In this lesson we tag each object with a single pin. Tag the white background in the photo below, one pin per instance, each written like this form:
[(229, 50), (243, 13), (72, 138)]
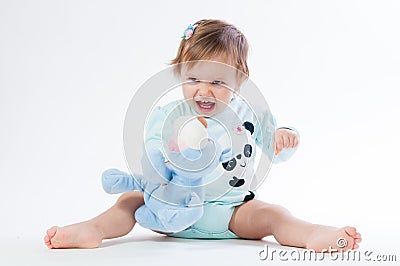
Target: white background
[(68, 70)]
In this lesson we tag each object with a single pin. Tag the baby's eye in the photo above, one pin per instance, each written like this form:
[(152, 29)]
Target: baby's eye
[(193, 79), (218, 82)]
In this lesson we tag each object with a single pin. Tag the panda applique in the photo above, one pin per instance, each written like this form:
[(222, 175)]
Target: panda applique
[(239, 170)]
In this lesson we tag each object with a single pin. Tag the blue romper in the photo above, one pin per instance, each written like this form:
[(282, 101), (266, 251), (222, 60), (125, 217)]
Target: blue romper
[(235, 181)]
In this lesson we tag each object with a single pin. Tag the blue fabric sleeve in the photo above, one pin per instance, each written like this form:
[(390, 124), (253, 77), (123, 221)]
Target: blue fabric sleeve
[(265, 133), (264, 139), (154, 126)]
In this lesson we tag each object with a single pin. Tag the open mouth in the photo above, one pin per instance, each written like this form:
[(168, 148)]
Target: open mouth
[(206, 106), (243, 165)]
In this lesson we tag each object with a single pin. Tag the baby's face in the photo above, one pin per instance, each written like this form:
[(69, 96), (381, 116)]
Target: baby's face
[(208, 86)]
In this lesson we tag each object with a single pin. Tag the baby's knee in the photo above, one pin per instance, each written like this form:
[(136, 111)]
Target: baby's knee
[(131, 198), (274, 211)]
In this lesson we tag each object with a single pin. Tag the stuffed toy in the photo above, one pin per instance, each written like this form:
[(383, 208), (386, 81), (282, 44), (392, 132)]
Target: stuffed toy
[(175, 201)]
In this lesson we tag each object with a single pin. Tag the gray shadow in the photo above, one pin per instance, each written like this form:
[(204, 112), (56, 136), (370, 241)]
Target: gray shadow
[(162, 239)]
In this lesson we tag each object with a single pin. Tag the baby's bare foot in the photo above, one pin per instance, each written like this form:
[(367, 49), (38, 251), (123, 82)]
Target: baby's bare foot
[(81, 235), (340, 239)]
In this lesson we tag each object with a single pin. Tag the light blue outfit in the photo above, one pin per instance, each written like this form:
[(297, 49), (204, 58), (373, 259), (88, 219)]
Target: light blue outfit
[(224, 188)]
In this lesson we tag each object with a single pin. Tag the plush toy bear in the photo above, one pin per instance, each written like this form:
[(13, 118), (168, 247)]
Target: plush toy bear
[(175, 201)]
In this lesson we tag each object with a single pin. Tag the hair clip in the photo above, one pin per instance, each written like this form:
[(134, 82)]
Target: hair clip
[(189, 31)]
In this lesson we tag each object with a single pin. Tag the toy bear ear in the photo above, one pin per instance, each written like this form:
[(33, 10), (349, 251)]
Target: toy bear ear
[(249, 126)]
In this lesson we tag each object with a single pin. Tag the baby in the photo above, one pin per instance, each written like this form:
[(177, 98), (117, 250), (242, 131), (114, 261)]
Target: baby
[(230, 208)]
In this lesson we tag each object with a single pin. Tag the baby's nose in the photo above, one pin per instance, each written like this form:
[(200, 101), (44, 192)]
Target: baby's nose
[(204, 89)]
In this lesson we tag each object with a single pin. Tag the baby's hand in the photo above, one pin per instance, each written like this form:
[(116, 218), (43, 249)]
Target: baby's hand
[(285, 138)]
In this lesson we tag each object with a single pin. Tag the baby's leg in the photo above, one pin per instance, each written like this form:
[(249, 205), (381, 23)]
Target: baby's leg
[(115, 222), (256, 219)]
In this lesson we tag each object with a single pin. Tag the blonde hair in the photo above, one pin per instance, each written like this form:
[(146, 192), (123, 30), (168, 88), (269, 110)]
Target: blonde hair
[(212, 38)]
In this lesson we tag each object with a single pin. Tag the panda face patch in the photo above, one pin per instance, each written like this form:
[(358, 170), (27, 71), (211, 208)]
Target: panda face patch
[(231, 164), (236, 165)]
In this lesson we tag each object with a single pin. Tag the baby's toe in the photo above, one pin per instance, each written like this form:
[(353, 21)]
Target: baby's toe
[(50, 233), (351, 231)]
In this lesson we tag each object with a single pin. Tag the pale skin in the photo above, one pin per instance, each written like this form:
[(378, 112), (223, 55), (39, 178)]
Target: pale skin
[(254, 219)]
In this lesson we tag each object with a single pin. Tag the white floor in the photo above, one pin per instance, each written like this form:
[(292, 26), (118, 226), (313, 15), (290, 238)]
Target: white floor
[(143, 247)]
